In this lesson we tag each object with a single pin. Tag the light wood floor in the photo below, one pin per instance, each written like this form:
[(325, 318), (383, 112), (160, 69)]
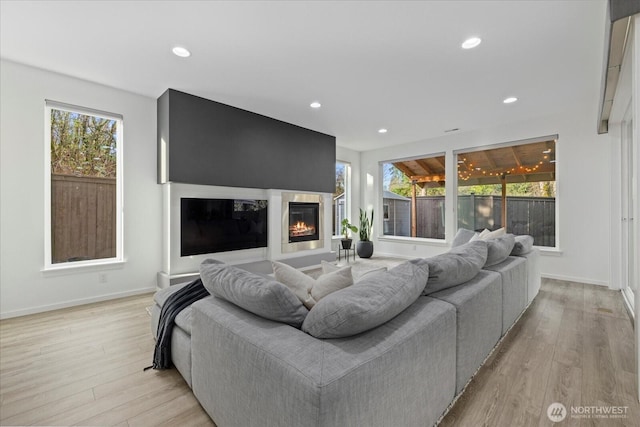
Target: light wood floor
[(573, 345), (83, 366)]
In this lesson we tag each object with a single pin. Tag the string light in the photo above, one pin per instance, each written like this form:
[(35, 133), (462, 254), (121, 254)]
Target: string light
[(467, 171)]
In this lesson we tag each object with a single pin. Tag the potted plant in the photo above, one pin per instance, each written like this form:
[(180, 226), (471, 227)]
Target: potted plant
[(365, 245), (346, 228)]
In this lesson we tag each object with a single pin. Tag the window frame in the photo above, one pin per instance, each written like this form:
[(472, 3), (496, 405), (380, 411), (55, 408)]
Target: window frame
[(380, 202), (347, 194), (119, 258), (547, 249)]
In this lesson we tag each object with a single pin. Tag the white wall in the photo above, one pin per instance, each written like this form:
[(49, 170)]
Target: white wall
[(24, 287), (583, 173)]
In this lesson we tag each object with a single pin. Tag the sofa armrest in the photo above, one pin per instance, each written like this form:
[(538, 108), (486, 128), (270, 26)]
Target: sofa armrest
[(533, 273)]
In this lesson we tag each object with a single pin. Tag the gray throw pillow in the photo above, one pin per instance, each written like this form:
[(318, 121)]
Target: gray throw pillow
[(498, 249), (455, 267), (259, 295), (374, 300), (462, 236), (523, 245)]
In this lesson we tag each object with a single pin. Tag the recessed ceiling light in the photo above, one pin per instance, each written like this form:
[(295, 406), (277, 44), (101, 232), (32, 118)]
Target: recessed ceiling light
[(383, 130), (315, 104), (471, 42), (547, 151), (182, 52), (510, 100)]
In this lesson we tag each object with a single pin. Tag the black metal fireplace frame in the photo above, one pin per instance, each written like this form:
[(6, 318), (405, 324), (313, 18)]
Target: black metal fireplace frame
[(316, 221)]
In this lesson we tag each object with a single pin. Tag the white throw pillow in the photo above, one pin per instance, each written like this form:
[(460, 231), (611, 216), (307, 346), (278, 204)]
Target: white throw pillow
[(486, 234), (310, 290)]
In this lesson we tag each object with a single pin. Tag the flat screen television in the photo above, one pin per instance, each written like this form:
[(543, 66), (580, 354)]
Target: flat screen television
[(222, 225)]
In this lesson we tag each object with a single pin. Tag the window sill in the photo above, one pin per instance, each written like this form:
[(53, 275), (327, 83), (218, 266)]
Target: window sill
[(547, 251), (82, 266)]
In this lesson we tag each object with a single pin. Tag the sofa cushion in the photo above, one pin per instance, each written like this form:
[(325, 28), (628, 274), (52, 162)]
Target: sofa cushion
[(462, 236), (309, 290), (259, 295), (513, 277), (455, 267), (162, 295), (498, 249), (328, 267), (533, 273), (523, 245), (371, 302), (183, 320), (478, 306)]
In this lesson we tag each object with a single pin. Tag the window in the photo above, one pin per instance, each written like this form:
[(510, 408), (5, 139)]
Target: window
[(511, 186), (341, 195), (413, 197), (83, 186)]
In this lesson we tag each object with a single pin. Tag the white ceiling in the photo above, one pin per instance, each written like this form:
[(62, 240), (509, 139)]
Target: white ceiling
[(391, 64)]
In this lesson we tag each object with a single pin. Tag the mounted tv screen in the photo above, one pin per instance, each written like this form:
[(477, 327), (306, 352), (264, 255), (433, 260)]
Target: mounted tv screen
[(222, 225)]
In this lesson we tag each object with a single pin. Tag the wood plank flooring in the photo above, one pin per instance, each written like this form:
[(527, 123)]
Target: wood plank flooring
[(573, 345), (83, 366)]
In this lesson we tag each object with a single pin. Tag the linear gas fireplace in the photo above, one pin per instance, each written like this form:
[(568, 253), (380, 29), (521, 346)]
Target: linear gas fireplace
[(302, 216)]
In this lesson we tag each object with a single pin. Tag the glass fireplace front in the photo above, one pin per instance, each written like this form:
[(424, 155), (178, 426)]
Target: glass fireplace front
[(304, 221)]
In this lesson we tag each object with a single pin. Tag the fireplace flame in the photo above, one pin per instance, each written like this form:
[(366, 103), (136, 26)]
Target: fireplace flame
[(300, 228)]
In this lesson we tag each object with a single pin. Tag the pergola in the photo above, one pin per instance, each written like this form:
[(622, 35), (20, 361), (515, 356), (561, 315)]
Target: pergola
[(533, 162)]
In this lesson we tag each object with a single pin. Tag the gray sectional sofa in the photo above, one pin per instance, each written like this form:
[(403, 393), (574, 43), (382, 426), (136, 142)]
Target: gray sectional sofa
[(247, 370)]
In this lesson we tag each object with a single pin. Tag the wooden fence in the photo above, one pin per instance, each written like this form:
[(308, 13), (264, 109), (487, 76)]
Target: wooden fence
[(535, 216), (83, 218), (430, 217), (525, 215)]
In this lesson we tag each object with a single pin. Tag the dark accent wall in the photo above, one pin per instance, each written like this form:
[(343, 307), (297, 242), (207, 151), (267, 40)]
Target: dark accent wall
[(619, 9), (205, 142)]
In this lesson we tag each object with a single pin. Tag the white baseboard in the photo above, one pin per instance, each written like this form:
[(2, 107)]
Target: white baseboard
[(627, 305), (73, 303), (575, 279)]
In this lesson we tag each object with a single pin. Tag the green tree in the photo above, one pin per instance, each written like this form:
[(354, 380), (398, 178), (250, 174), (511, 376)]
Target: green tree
[(83, 145), (396, 181), (524, 189), (480, 190), (340, 179), (435, 191)]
